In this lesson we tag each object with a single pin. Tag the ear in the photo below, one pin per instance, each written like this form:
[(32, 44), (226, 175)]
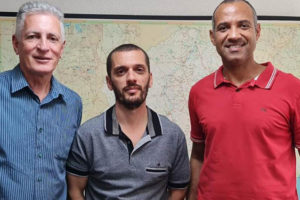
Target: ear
[(15, 44), (62, 49), (108, 83), (212, 37), (151, 80), (257, 29)]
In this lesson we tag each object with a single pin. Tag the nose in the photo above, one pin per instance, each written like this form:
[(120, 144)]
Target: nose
[(43, 44), (233, 33), (131, 76)]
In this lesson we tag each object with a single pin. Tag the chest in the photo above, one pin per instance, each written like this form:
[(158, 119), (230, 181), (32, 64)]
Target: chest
[(247, 115), (28, 127), (150, 162)]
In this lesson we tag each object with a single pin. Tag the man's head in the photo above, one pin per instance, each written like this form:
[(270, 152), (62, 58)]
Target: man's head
[(235, 30), (38, 7), (231, 1), (125, 47), (39, 38), (128, 75)]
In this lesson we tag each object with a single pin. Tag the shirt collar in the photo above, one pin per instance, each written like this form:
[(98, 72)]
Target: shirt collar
[(111, 124), (265, 79), (19, 82)]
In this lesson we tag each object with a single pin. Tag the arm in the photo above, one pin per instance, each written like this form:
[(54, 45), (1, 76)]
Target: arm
[(177, 194), (76, 186), (196, 161)]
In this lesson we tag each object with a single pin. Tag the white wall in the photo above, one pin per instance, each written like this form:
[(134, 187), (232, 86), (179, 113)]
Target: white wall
[(159, 7)]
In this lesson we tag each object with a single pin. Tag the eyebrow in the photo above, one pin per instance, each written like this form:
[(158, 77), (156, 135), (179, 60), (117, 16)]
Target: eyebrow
[(245, 20), (241, 21)]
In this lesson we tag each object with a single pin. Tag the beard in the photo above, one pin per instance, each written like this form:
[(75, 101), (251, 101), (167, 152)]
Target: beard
[(131, 103)]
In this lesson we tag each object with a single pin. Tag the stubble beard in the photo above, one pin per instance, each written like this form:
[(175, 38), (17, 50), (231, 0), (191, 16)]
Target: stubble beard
[(131, 103)]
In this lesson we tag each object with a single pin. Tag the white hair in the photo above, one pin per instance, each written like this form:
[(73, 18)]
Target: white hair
[(34, 7)]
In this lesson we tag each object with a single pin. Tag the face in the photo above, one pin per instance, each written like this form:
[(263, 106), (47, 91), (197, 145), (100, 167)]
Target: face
[(130, 78), (235, 33), (40, 46)]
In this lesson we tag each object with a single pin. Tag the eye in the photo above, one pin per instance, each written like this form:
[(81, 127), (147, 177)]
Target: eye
[(120, 71), (222, 28), (31, 37), (245, 25), (140, 69), (53, 38)]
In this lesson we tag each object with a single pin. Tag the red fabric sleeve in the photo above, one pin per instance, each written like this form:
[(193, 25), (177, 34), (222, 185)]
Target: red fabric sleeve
[(196, 130), (296, 124)]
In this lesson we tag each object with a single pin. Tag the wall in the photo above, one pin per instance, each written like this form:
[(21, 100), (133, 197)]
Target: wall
[(159, 7)]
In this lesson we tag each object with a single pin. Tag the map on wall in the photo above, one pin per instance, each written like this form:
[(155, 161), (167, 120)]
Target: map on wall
[(180, 54)]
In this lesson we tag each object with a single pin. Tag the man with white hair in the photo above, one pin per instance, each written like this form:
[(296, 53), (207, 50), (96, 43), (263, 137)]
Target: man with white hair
[(38, 115)]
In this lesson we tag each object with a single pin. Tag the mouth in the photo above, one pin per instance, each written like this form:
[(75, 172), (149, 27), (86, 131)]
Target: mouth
[(233, 47), (41, 58), (132, 89)]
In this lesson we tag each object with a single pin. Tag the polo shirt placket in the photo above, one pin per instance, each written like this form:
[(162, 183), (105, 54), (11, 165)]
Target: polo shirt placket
[(117, 131)]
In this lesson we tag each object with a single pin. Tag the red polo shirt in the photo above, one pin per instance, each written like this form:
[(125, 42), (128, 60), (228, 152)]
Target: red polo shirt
[(250, 133)]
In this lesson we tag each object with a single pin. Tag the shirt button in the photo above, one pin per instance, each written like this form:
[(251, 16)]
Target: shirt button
[(39, 179), (40, 155), (41, 130)]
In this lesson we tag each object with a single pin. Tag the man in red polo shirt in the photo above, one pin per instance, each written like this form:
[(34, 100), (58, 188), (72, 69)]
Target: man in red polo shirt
[(245, 118)]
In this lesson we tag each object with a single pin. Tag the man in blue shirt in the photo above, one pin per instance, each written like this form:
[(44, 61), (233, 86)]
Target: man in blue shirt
[(38, 115)]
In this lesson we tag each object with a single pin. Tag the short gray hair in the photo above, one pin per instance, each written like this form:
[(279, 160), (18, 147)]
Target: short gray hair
[(34, 7), (232, 1)]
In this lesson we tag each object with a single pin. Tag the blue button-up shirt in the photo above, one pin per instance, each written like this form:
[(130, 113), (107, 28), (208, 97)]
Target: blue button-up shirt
[(35, 138)]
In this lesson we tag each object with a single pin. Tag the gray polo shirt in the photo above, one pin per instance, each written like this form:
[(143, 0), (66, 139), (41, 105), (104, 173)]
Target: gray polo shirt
[(117, 170)]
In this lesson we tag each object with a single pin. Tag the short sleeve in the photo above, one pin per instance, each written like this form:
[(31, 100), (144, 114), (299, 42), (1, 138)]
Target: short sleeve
[(78, 160), (79, 113), (196, 130), (296, 123), (179, 176)]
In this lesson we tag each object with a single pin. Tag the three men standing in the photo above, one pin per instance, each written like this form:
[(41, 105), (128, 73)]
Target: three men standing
[(245, 122)]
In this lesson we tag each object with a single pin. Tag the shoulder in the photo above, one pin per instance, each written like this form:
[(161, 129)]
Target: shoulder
[(5, 82), (170, 129), (5, 76), (287, 78), (68, 94), (202, 89), (92, 126), (287, 82), (206, 82)]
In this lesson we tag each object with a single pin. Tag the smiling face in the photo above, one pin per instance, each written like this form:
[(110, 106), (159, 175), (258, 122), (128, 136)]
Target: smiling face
[(235, 33), (40, 46), (130, 78)]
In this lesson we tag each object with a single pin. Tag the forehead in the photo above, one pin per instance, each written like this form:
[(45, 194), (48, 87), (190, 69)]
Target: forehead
[(234, 11), (42, 22), (132, 57)]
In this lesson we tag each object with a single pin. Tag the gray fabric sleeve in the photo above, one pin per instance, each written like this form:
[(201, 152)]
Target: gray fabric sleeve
[(78, 160), (180, 174)]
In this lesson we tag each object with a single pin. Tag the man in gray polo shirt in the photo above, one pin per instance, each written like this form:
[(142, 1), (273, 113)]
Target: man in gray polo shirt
[(129, 151)]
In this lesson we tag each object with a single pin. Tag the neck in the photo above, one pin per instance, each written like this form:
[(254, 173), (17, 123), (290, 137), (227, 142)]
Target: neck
[(133, 122), (131, 117), (240, 73), (40, 85)]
